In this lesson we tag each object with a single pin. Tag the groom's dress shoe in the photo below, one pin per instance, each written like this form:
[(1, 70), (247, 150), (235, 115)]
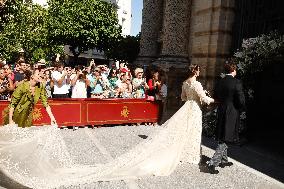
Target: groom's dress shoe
[(226, 164), (209, 169)]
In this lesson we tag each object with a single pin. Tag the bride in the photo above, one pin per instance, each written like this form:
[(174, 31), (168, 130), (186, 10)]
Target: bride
[(37, 157)]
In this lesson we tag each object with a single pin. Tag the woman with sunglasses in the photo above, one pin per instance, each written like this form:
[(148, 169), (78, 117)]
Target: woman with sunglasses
[(98, 84)]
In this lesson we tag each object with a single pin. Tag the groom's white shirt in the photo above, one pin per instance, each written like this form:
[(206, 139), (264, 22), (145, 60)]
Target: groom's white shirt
[(230, 74)]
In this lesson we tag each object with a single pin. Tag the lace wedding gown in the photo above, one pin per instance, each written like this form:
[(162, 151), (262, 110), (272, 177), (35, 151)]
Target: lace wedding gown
[(37, 157)]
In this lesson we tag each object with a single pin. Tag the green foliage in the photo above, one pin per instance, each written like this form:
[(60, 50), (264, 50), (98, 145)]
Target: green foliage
[(42, 32), (83, 24), (209, 118), (252, 59), (7, 9), (126, 50), (255, 54), (25, 26)]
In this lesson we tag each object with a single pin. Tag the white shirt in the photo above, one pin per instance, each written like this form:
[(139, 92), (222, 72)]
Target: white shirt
[(79, 90), (64, 89), (230, 75)]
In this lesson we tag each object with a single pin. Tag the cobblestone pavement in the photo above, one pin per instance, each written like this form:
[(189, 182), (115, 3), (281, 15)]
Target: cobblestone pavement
[(100, 145)]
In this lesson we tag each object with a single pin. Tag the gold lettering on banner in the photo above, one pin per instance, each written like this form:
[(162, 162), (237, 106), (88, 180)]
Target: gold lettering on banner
[(125, 112), (37, 115)]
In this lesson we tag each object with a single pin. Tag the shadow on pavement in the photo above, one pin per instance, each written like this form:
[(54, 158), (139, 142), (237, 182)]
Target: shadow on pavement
[(8, 183), (251, 155)]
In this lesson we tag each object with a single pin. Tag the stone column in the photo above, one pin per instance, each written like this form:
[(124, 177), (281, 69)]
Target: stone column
[(175, 32), (210, 37), (174, 53), (150, 30)]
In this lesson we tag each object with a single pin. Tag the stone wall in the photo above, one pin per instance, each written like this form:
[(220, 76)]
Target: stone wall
[(180, 32), (210, 36)]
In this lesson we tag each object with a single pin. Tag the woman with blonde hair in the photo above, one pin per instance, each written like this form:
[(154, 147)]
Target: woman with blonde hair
[(139, 84)]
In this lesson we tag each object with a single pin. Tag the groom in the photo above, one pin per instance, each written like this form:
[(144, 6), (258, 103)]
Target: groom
[(229, 93)]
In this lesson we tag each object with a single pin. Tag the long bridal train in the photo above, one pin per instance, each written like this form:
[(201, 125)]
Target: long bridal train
[(37, 157)]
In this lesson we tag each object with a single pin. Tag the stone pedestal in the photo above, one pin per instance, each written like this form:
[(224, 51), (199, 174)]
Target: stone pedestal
[(175, 73)]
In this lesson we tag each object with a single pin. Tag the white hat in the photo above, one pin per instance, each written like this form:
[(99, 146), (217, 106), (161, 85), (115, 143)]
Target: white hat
[(41, 62)]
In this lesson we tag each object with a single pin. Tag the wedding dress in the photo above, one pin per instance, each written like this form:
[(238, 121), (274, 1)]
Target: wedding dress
[(37, 157)]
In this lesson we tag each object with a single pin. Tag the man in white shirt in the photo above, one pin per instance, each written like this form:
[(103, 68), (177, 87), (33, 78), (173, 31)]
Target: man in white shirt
[(61, 79)]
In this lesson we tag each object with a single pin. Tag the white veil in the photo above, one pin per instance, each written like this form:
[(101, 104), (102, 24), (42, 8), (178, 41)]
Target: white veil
[(37, 157)]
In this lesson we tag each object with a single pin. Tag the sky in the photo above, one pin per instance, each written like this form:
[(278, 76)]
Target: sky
[(137, 6), (41, 2)]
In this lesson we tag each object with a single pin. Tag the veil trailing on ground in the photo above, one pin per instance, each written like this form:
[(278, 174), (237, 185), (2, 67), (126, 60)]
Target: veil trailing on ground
[(37, 157)]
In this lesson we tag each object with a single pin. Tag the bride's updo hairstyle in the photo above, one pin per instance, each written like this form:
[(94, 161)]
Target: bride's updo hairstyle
[(193, 69)]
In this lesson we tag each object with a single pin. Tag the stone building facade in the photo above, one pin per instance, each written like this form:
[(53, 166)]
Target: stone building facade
[(176, 33)]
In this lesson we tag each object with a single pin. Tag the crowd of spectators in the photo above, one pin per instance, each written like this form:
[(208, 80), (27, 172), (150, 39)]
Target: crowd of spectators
[(91, 81)]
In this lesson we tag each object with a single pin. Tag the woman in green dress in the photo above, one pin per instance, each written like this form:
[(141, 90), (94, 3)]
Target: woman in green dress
[(24, 98)]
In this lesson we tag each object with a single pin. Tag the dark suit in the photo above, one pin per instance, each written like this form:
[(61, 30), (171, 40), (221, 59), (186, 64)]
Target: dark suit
[(229, 93)]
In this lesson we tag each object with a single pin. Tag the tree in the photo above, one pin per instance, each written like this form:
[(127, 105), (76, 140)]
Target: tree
[(83, 25), (126, 50), (255, 55), (24, 26), (8, 9)]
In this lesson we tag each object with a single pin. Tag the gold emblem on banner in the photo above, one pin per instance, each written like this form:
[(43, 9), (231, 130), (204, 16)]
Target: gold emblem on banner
[(125, 112), (37, 115)]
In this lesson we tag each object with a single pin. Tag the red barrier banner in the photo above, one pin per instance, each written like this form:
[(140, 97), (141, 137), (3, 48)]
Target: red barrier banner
[(80, 112)]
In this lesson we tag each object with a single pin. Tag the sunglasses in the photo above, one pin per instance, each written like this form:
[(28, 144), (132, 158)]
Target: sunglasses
[(97, 70)]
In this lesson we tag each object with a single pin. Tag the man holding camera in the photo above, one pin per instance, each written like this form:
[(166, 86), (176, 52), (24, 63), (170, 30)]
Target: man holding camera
[(61, 79)]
